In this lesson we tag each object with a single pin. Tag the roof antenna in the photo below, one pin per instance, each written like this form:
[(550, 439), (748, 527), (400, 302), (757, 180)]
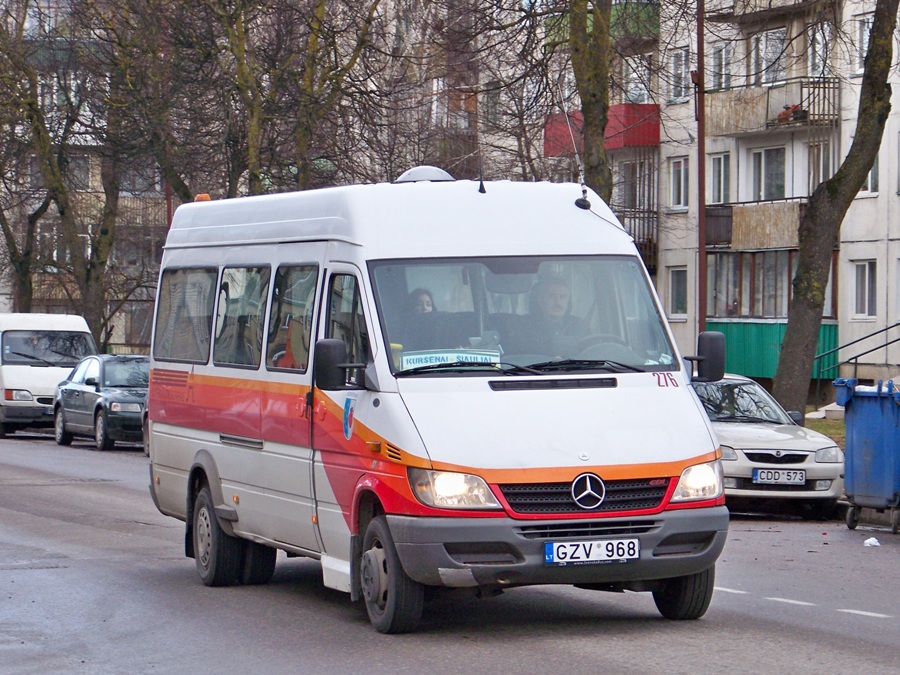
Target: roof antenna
[(582, 202), (480, 170)]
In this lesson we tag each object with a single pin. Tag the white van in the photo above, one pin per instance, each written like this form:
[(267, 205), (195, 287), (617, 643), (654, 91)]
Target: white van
[(38, 352), (537, 426)]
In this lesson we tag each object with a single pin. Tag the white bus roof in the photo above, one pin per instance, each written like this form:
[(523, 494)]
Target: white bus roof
[(25, 321), (402, 220)]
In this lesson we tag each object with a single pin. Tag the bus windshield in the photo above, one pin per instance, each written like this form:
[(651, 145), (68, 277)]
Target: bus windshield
[(56, 348), (547, 313)]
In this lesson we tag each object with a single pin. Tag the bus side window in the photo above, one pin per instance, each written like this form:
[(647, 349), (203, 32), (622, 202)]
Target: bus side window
[(184, 315), (239, 328), (290, 319), (346, 319)]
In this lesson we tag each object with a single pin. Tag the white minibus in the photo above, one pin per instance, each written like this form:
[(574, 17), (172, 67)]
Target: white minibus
[(38, 352), (430, 384)]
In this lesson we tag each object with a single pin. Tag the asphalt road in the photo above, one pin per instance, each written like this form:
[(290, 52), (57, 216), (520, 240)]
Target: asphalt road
[(93, 580)]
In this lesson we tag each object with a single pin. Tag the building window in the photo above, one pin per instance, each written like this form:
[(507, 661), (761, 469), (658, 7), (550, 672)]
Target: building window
[(635, 185), (819, 37), (139, 180), (438, 102), (720, 166), (768, 174), (863, 29), (871, 183), (678, 184), (756, 284), (720, 66), (636, 79), (491, 100), (78, 172), (819, 164), (768, 57), (678, 297), (681, 74), (864, 301), (461, 107)]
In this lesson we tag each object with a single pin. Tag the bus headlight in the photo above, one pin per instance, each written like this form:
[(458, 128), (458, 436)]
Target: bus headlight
[(701, 481), (450, 490)]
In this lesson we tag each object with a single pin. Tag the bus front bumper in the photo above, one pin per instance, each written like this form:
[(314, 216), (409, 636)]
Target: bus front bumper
[(502, 552)]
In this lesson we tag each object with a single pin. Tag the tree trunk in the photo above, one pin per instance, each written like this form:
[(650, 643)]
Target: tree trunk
[(821, 224), (591, 55)]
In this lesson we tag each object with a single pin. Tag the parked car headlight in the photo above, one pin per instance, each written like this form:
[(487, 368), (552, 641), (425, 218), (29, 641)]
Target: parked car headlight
[(701, 481), (450, 490), (830, 455), (728, 453), (115, 406), (17, 395)]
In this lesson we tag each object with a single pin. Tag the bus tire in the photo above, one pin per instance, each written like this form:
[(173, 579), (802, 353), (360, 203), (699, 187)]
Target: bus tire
[(686, 598), (394, 602), (219, 556), (259, 564)]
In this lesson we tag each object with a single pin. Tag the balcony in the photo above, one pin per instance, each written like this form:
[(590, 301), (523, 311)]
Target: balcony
[(746, 11), (643, 225), (630, 125), (799, 102), (634, 23), (754, 225)]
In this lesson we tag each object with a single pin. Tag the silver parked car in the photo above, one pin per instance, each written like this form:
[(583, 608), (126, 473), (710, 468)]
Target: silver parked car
[(766, 454)]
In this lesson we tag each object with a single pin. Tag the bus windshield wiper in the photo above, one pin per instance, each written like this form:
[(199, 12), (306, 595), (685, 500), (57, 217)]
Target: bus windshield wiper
[(507, 368), (586, 364), (34, 358)]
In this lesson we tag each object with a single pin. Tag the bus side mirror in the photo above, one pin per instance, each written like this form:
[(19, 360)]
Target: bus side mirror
[(331, 368), (710, 357)]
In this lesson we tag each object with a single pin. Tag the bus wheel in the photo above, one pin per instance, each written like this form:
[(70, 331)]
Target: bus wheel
[(219, 557), (145, 432), (686, 598), (393, 600)]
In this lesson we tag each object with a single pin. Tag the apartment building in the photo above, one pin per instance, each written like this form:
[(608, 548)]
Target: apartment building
[(781, 93)]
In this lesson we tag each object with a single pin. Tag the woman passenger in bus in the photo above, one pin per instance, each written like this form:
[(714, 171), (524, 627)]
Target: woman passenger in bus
[(421, 301)]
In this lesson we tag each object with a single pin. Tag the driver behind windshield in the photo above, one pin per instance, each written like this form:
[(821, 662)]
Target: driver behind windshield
[(550, 305)]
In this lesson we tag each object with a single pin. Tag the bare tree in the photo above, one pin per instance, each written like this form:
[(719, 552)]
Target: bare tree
[(821, 224)]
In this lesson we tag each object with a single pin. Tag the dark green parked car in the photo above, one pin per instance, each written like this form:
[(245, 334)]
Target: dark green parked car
[(104, 398)]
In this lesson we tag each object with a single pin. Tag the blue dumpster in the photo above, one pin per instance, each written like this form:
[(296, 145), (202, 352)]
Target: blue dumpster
[(872, 455)]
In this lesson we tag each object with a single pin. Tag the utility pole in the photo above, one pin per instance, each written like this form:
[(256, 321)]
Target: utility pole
[(699, 78)]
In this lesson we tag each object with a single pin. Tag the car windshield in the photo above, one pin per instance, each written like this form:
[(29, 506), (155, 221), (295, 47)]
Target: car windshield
[(46, 347), (738, 401), (127, 373), (520, 315)]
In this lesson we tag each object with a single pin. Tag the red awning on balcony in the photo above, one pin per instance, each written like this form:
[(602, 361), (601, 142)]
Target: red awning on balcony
[(630, 125)]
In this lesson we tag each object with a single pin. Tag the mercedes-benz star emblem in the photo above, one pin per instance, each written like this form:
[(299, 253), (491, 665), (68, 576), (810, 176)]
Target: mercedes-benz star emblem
[(588, 491)]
